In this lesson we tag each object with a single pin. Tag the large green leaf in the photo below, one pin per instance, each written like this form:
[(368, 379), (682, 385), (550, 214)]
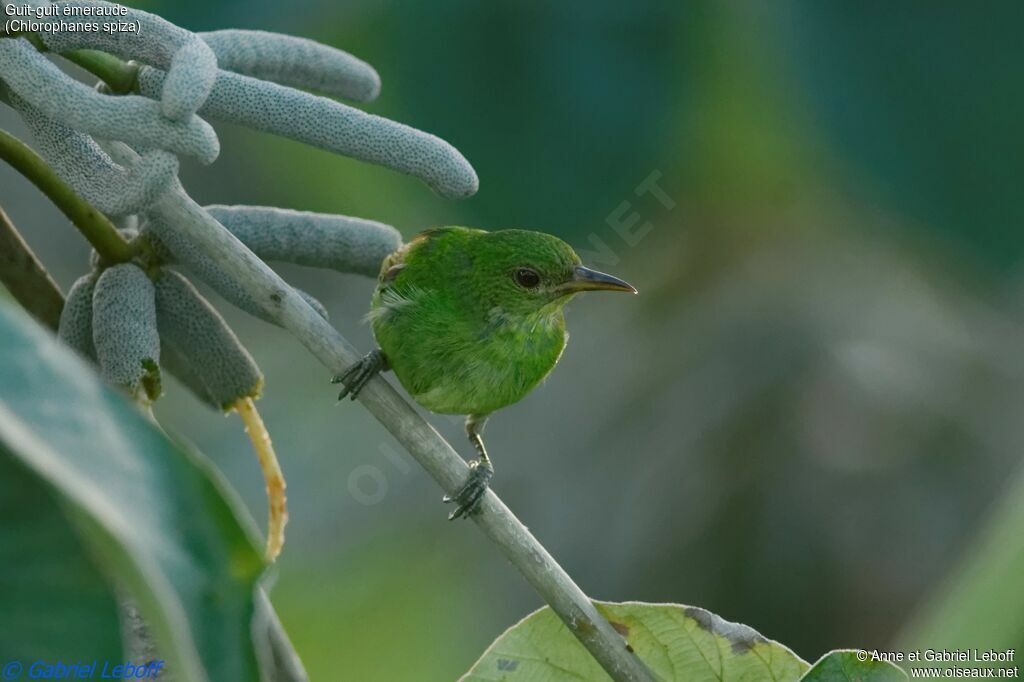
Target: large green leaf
[(676, 642), (62, 606), (848, 666), (153, 518)]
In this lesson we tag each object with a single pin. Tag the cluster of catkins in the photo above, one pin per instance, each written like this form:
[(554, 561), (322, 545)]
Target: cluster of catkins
[(120, 153)]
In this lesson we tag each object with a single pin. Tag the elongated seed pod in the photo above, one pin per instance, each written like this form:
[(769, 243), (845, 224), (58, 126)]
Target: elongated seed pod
[(330, 125), (176, 364), (189, 80), (240, 299), (188, 60), (161, 232), (296, 62), (190, 325), (75, 326), (114, 189), (132, 118), (155, 43), (208, 270), (315, 239), (124, 330)]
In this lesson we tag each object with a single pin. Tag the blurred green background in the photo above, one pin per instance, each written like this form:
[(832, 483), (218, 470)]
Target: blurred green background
[(803, 420)]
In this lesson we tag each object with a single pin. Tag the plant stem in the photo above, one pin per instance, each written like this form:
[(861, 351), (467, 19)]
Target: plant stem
[(276, 502), (120, 76), (26, 278), (95, 226), (432, 451)]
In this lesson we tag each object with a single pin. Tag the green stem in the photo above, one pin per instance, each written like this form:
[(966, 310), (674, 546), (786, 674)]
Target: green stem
[(93, 225), (120, 76)]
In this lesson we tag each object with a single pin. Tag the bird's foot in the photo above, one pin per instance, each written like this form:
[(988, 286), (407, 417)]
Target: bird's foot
[(467, 499), (356, 376)]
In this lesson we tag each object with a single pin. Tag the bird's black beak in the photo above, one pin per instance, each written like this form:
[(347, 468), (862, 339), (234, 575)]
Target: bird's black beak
[(585, 279)]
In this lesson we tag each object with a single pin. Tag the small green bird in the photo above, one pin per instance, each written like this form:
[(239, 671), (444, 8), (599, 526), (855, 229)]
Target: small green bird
[(471, 321)]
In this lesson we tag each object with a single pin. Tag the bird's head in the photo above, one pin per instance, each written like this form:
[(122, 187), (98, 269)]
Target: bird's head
[(524, 272)]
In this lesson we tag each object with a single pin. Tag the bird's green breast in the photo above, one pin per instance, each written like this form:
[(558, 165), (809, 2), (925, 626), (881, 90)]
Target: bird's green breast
[(457, 363)]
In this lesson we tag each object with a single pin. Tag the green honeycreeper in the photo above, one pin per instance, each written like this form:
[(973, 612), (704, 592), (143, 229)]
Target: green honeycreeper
[(471, 321)]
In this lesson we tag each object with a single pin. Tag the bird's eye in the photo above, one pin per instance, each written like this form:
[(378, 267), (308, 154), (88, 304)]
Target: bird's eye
[(527, 278)]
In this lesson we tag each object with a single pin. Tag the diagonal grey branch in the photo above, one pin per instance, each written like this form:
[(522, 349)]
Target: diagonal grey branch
[(226, 257), (26, 278), (217, 256)]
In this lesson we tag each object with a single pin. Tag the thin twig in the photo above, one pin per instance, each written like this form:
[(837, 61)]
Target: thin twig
[(432, 451), (277, 509), (95, 226), (26, 278)]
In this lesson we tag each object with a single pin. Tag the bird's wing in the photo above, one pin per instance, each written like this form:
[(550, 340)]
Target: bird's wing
[(434, 236), (392, 300)]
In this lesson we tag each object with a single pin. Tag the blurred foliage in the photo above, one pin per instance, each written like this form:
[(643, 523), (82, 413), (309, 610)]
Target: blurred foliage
[(925, 101), (344, 620), (801, 423), (973, 609), (121, 511), (62, 605)]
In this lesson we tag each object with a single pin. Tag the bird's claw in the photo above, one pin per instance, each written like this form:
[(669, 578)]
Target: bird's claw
[(356, 376), (467, 499)]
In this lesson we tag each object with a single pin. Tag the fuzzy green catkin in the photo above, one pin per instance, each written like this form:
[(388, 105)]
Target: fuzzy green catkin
[(167, 239), (296, 62), (207, 270), (124, 330), (155, 43), (132, 118), (75, 326), (314, 239), (162, 231), (240, 298), (330, 125), (206, 344), (177, 365), (189, 80), (79, 161), (189, 61)]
